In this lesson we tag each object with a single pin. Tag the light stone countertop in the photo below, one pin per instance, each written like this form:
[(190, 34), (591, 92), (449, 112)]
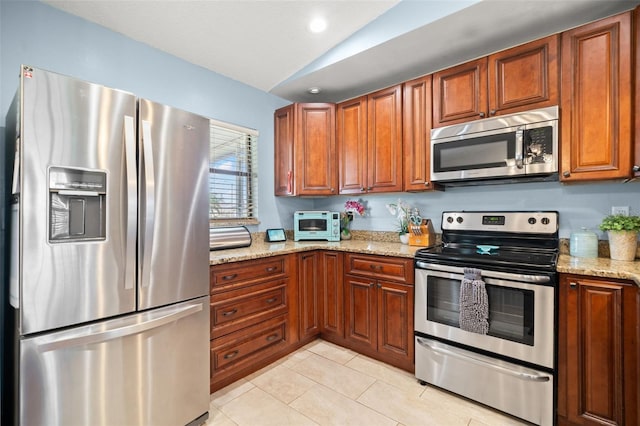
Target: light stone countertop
[(598, 267)]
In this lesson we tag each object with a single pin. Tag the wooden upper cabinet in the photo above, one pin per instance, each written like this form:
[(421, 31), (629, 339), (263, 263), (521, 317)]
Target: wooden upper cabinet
[(416, 134), (636, 147), (351, 137), (305, 152), (524, 77), (518, 79), (369, 139), (460, 93), (283, 150), (384, 140), (596, 101)]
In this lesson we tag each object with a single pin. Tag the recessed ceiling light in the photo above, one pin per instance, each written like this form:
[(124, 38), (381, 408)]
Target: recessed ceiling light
[(314, 90), (317, 25)]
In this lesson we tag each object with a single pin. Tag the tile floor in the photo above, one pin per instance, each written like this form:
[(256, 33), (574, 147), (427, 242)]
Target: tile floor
[(325, 384)]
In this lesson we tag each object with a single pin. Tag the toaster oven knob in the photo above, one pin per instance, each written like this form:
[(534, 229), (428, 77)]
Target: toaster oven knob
[(459, 219), (545, 220), (532, 221), (450, 219)]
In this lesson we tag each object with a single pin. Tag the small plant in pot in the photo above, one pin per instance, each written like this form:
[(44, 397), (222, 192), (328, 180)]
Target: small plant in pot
[(623, 235)]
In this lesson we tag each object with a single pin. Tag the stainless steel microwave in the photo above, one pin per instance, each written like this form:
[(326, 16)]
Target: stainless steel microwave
[(507, 148), (316, 225)]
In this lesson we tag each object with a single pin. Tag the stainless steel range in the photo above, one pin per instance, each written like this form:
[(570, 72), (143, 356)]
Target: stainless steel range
[(485, 310)]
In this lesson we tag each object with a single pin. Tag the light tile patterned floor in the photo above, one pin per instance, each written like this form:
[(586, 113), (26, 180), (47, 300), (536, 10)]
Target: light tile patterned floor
[(325, 384)]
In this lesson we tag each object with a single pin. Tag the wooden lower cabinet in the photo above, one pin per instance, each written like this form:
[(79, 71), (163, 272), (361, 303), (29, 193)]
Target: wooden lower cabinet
[(598, 363), (331, 296), (309, 282), (379, 310), (254, 316)]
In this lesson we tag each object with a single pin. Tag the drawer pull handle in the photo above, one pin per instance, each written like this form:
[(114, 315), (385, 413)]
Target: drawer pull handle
[(230, 355), (272, 337), (229, 277), (271, 300), (271, 269), (229, 313), (376, 267)]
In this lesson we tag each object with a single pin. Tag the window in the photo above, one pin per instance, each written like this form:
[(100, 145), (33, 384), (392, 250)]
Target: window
[(233, 174)]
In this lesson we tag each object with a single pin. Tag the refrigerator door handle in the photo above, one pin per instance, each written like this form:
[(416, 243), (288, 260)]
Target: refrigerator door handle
[(147, 145), (118, 333), (132, 202)]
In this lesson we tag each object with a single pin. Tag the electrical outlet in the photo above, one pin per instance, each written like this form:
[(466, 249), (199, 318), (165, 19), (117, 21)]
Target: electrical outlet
[(623, 210)]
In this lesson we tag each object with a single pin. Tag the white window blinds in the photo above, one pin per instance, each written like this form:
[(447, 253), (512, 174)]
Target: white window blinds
[(233, 174)]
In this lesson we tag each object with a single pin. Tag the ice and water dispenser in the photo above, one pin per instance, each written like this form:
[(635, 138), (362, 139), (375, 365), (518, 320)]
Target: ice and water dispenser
[(77, 204)]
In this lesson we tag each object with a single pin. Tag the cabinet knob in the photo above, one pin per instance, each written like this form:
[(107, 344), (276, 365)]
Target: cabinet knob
[(492, 112), (573, 285), (332, 190), (371, 285), (369, 188), (566, 174), (379, 285), (362, 190), (636, 168), (481, 115), (427, 183)]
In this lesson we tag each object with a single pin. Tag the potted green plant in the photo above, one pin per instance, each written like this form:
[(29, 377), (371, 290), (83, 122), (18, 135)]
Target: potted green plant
[(623, 235)]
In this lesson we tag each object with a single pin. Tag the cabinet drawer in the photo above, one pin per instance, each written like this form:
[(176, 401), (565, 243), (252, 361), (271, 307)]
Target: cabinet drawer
[(236, 309), (221, 277), (381, 267), (245, 347)]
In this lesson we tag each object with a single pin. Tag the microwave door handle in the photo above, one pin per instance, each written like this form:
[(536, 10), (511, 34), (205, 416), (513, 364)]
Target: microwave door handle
[(519, 148)]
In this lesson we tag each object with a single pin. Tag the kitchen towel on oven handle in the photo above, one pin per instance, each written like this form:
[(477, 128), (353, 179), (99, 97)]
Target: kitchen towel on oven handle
[(474, 302)]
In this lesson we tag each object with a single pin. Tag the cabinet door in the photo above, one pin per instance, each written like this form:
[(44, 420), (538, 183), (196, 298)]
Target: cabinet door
[(384, 140), (416, 134), (351, 137), (460, 93), (309, 288), (315, 149), (598, 354), (283, 151), (596, 100), (395, 322), (331, 299), (360, 305), (636, 147), (524, 77)]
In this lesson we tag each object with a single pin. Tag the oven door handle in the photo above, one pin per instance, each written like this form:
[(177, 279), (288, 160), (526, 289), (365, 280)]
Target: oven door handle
[(489, 274), (454, 353)]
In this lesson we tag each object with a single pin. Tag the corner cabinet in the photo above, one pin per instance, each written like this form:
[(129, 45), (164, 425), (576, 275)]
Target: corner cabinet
[(416, 134), (598, 338), (379, 297), (517, 79), (305, 150), (636, 143), (369, 139), (596, 101)]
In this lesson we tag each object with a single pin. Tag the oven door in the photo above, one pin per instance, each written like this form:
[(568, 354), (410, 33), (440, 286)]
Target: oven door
[(521, 312), (487, 154)]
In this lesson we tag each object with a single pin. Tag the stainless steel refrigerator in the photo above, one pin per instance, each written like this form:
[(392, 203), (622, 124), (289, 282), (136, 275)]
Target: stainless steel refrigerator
[(109, 265)]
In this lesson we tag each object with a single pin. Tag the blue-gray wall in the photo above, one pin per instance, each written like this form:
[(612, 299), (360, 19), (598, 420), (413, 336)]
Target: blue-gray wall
[(37, 34)]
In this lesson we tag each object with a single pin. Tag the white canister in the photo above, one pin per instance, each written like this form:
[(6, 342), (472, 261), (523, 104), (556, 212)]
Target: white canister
[(583, 243)]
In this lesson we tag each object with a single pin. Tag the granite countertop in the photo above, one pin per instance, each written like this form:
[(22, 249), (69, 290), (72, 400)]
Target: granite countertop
[(259, 249), (598, 267)]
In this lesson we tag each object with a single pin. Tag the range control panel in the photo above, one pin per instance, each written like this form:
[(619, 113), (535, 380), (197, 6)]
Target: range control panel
[(537, 222)]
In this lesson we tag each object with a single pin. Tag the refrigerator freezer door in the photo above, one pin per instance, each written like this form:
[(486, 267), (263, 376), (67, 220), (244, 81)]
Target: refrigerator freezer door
[(173, 252), (142, 369), (73, 168)]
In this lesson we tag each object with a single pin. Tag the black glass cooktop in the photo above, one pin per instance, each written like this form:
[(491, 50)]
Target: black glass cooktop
[(471, 256)]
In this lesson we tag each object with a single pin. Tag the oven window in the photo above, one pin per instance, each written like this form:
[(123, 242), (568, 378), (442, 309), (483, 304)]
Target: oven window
[(312, 224), (510, 309)]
